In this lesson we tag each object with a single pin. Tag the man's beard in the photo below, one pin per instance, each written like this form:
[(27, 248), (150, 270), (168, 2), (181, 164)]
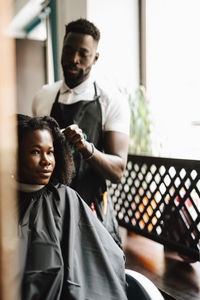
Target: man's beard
[(71, 79)]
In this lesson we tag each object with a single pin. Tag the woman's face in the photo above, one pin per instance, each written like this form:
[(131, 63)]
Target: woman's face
[(36, 157)]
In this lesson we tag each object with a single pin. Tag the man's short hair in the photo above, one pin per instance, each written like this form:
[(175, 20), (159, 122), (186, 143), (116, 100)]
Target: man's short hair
[(83, 26)]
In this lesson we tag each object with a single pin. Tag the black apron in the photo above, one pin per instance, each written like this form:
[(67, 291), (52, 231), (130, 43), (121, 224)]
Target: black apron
[(87, 182)]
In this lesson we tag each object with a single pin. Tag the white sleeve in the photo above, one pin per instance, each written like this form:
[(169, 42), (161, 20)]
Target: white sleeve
[(116, 114), (44, 99)]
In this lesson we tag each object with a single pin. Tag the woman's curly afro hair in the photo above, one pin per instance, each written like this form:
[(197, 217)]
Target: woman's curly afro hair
[(64, 161)]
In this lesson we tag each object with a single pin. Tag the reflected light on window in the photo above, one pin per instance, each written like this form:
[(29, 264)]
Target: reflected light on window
[(173, 76)]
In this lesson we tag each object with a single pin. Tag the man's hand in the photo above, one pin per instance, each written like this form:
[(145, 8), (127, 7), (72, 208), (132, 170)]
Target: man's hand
[(75, 136), (76, 139), (110, 163)]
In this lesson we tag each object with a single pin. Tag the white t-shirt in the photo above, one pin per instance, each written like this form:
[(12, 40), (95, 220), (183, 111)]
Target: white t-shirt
[(115, 108)]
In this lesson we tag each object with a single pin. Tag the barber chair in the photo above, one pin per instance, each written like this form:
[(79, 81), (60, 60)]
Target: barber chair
[(140, 287)]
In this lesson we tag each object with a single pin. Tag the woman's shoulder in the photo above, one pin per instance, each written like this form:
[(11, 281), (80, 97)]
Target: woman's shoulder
[(63, 191), (63, 187)]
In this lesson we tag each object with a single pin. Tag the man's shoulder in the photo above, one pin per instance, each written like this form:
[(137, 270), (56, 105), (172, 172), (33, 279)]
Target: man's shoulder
[(44, 98), (106, 95), (115, 109), (49, 89), (110, 96), (55, 86)]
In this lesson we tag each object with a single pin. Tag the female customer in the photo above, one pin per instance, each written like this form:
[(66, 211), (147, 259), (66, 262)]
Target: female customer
[(65, 252)]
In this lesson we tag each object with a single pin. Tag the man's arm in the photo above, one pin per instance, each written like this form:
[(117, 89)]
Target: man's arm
[(112, 162)]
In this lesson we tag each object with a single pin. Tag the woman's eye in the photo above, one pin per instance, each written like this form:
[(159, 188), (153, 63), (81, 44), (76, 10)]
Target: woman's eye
[(51, 152), (35, 152)]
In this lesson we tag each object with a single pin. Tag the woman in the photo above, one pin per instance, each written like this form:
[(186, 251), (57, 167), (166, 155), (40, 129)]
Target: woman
[(66, 253)]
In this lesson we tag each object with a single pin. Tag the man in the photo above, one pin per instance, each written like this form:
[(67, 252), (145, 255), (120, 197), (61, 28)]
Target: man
[(96, 125)]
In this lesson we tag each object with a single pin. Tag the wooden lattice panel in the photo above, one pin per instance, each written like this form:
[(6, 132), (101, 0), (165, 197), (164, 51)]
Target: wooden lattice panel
[(160, 198)]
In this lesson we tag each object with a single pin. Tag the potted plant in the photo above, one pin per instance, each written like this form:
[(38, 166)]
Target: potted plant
[(140, 125)]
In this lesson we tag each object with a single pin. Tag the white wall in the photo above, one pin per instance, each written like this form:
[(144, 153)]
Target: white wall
[(117, 20), (67, 11), (119, 57)]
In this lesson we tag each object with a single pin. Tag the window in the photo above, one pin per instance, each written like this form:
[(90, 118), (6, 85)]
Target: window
[(173, 76)]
